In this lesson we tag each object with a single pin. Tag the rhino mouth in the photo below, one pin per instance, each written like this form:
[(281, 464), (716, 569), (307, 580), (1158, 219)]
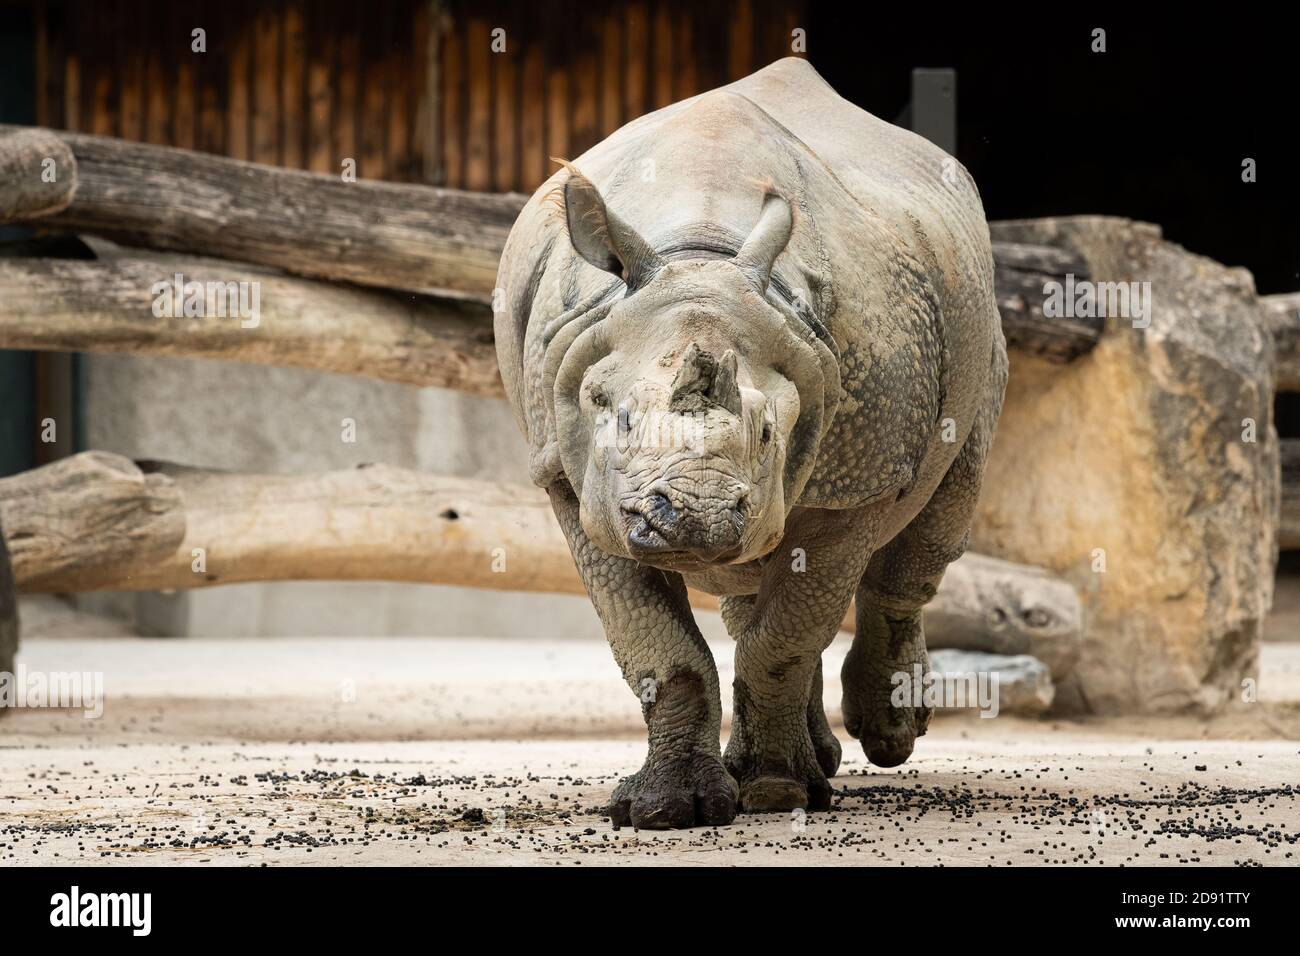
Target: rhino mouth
[(657, 533), (650, 525)]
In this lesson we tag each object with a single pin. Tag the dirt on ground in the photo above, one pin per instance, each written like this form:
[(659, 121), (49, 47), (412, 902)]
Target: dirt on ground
[(439, 751)]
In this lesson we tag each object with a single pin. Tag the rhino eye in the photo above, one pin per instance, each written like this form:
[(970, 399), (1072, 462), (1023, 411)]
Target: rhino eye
[(623, 423), (766, 435)]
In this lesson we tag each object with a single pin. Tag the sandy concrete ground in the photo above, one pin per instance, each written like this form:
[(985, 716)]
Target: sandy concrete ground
[(434, 751)]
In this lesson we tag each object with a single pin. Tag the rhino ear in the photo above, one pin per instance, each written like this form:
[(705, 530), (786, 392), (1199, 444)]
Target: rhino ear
[(769, 236), (603, 239)]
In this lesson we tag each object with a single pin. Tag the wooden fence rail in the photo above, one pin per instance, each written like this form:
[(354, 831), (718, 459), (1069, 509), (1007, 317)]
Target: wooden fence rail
[(98, 521), (109, 306), (410, 237), (403, 237)]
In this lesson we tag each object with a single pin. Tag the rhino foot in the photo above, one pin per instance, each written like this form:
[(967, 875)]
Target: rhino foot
[(794, 781), (669, 794), (888, 734), (777, 793)]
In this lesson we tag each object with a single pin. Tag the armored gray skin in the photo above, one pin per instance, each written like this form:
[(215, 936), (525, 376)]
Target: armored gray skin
[(752, 341)]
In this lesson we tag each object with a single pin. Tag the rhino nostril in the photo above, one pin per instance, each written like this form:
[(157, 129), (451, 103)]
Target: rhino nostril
[(659, 512)]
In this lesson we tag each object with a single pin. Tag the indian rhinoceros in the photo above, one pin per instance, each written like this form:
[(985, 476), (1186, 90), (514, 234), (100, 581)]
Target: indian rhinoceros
[(752, 341)]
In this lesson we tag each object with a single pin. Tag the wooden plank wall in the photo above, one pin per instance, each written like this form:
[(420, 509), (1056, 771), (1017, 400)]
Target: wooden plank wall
[(298, 83), (572, 72), (306, 83)]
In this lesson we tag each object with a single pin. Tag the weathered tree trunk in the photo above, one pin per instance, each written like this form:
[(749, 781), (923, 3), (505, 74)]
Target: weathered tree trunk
[(1021, 273), (98, 521), (109, 306), (1288, 532), (1005, 608), (38, 176), (1282, 313), (416, 238), (90, 518)]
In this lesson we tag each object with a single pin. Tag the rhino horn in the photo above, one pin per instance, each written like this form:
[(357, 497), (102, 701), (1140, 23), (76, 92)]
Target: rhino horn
[(724, 390), (765, 242), (602, 238), (701, 375), (693, 375)]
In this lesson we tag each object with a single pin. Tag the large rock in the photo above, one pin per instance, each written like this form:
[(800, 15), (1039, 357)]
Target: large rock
[(1153, 457)]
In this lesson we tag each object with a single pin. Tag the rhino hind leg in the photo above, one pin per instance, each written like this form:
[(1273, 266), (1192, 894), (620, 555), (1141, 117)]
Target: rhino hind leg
[(886, 643), (900, 580), (668, 665)]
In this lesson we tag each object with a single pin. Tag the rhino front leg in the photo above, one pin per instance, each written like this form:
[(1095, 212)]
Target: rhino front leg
[(666, 662), (737, 612), (825, 745), (772, 750)]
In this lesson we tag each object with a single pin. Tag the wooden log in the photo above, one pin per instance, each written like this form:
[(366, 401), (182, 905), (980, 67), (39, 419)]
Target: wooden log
[(109, 306), (98, 521), (38, 176), (1288, 534), (999, 607), (105, 306), (1020, 274), (1282, 315), (411, 237), (64, 518)]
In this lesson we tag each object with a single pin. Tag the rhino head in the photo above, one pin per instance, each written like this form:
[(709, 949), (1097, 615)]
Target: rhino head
[(687, 417)]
